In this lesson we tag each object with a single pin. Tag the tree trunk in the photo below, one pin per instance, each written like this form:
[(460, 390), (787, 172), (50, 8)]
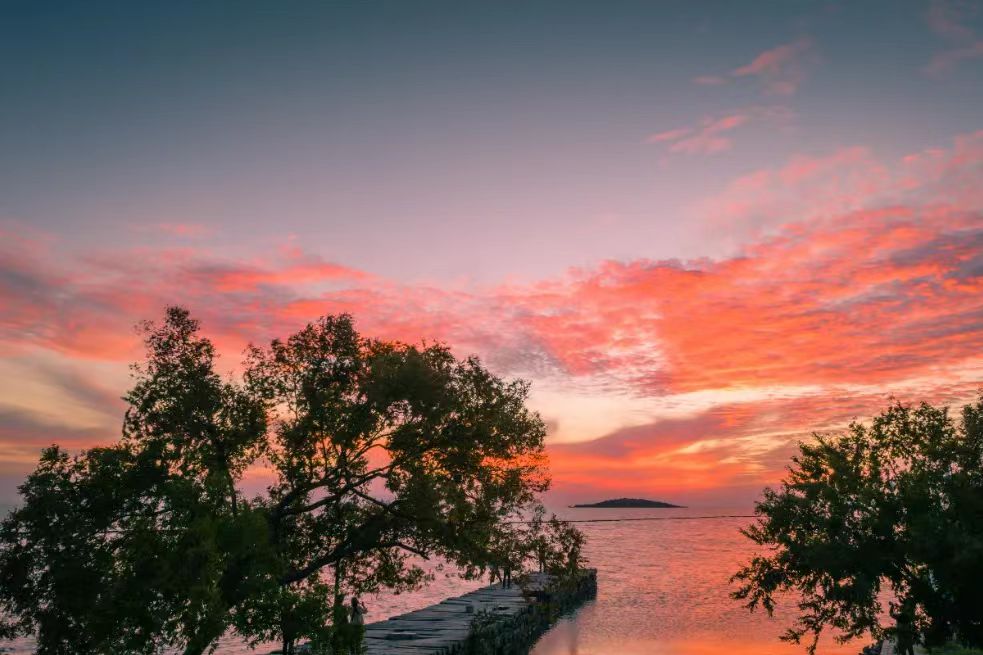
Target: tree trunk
[(287, 633), (205, 637), (232, 493)]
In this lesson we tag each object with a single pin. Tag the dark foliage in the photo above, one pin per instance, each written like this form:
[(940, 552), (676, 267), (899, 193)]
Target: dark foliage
[(382, 455), (886, 513)]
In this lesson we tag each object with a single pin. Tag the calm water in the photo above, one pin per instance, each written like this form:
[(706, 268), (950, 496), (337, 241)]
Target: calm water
[(662, 590)]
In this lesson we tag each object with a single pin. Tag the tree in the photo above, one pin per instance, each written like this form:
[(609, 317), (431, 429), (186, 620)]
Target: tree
[(890, 510), (556, 546), (385, 451), (382, 454), (141, 545)]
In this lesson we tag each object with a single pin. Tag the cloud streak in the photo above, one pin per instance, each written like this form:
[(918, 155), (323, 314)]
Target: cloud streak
[(708, 138), (779, 71), (715, 134), (782, 69)]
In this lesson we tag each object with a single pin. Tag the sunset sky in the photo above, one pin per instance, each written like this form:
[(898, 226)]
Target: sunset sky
[(702, 230)]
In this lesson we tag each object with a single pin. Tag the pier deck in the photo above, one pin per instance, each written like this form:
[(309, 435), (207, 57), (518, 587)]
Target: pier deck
[(443, 627), (510, 623)]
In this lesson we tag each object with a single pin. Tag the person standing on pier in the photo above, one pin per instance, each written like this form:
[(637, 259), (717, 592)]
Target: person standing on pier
[(507, 575), (904, 632), (341, 638), (357, 625)]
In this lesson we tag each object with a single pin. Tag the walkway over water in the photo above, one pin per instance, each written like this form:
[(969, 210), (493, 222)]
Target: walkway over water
[(442, 628), (508, 621)]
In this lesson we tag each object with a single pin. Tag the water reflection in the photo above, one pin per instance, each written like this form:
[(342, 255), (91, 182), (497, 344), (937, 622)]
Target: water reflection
[(663, 590)]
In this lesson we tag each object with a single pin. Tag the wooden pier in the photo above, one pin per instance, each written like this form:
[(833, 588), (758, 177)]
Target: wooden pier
[(487, 620)]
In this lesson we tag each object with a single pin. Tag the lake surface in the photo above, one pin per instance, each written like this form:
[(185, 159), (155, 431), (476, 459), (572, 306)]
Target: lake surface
[(662, 590)]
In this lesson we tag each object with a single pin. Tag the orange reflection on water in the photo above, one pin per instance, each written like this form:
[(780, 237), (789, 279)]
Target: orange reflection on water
[(663, 589)]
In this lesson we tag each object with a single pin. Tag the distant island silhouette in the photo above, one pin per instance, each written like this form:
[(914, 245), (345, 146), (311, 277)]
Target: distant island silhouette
[(629, 502)]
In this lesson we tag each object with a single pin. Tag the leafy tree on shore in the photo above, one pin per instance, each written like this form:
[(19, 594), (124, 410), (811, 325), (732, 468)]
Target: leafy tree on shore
[(890, 510), (385, 451), (382, 454), (142, 544), (557, 546)]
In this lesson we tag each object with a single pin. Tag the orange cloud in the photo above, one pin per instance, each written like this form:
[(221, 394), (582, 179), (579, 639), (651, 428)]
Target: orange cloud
[(859, 298), (723, 455), (711, 368), (237, 278)]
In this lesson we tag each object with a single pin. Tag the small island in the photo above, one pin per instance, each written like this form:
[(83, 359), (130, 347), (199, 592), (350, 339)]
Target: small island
[(621, 503)]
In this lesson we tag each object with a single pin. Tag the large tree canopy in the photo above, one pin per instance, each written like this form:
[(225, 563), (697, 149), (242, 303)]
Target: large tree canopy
[(382, 454), (883, 522)]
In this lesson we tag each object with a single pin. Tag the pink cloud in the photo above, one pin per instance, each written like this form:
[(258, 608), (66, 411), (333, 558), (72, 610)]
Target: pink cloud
[(950, 20), (250, 277), (669, 135), (713, 134), (709, 80), (82, 310), (184, 229), (845, 180), (949, 59), (782, 69), (707, 138), (180, 230)]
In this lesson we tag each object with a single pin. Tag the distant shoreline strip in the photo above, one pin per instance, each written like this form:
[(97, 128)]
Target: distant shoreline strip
[(654, 518)]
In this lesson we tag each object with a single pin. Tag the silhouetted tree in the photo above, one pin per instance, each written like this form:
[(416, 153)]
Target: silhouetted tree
[(143, 544), (890, 510), (386, 454), (382, 454), (556, 546)]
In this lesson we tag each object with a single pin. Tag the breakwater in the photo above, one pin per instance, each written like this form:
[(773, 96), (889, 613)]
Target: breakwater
[(487, 621)]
